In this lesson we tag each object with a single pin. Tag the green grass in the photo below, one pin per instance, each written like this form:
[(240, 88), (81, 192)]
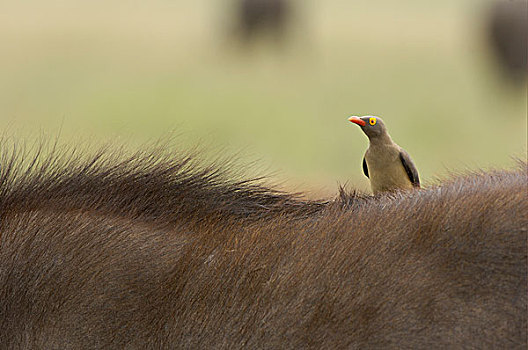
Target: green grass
[(139, 72)]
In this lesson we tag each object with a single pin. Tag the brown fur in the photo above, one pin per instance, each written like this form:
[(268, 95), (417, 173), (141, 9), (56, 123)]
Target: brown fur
[(155, 252)]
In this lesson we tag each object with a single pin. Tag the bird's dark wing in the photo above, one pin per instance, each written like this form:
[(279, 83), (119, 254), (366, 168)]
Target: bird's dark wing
[(365, 168), (410, 169)]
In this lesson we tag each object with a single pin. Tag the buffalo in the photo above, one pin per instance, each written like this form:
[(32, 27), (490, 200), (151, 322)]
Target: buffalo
[(154, 250), (507, 32), (260, 17)]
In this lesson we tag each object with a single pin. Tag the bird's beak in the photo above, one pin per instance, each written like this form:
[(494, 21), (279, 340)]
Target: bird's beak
[(357, 121)]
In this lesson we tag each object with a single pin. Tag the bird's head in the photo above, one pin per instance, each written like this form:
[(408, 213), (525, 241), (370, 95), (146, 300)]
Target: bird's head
[(372, 126)]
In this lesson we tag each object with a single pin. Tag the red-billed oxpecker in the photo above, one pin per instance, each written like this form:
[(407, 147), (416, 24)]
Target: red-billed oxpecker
[(387, 165)]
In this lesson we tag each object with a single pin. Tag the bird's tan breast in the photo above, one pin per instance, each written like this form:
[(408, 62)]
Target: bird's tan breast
[(386, 171)]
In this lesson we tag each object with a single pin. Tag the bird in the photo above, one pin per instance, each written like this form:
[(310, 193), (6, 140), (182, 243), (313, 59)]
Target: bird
[(388, 166)]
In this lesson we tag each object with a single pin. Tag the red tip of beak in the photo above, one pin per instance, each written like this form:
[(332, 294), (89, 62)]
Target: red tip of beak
[(357, 121)]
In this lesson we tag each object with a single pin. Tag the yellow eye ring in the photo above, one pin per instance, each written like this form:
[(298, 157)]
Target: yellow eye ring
[(372, 121)]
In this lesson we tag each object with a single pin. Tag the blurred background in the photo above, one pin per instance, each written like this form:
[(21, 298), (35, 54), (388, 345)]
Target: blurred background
[(274, 80)]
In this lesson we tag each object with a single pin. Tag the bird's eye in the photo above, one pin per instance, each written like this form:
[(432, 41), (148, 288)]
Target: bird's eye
[(372, 121)]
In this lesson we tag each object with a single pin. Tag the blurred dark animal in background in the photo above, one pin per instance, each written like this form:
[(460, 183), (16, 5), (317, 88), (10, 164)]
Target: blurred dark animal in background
[(263, 17), (508, 36), (154, 251)]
